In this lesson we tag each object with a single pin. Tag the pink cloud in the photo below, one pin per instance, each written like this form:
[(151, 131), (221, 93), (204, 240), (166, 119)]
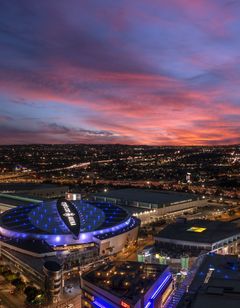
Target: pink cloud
[(140, 108)]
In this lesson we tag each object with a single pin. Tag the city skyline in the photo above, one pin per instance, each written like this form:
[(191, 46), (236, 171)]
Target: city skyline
[(150, 72)]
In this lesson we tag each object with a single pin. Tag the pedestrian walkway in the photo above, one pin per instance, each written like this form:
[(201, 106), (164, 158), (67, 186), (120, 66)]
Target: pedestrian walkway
[(179, 292)]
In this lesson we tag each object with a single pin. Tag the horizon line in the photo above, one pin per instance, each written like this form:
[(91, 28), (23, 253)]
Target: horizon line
[(124, 144)]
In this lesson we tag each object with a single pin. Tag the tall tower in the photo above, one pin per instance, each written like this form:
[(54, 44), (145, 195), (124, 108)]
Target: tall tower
[(53, 280)]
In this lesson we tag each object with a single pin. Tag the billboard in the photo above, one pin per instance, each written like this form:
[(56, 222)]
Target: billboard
[(69, 215)]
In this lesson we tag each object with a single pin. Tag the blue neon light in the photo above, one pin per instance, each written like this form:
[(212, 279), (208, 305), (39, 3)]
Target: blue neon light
[(162, 285), (32, 219), (98, 304), (159, 289), (147, 305)]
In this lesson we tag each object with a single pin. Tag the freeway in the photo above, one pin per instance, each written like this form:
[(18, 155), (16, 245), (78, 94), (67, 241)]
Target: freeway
[(74, 166)]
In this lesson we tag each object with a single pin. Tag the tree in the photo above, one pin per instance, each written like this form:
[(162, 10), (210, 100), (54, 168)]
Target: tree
[(31, 293), (231, 213), (16, 281), (19, 284), (11, 277)]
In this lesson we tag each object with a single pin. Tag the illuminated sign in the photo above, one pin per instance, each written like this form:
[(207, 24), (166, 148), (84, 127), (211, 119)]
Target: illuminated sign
[(69, 216), (167, 292), (125, 305), (74, 247), (89, 296), (197, 229)]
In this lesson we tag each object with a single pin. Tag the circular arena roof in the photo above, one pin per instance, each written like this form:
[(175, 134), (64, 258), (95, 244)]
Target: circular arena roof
[(46, 219)]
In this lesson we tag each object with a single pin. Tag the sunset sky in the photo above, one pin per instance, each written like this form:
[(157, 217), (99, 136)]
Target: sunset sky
[(157, 72)]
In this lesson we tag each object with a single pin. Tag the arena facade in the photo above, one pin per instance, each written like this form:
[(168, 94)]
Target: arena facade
[(63, 223)]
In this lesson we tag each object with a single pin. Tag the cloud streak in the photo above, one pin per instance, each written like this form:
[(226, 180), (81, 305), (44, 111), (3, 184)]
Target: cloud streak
[(147, 73)]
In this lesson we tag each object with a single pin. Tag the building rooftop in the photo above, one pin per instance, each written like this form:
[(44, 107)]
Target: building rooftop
[(32, 245), (43, 218), (197, 230), (128, 280), (52, 266), (176, 251), (15, 200), (216, 284), (160, 197), (35, 263), (32, 190), (133, 223)]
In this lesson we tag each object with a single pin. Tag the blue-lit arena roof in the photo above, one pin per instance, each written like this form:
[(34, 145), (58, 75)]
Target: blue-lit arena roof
[(44, 221)]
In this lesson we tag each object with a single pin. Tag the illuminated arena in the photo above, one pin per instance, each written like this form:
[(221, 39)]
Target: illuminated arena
[(64, 223)]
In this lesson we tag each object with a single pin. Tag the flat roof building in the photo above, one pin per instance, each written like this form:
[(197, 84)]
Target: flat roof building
[(8, 201), (159, 202), (216, 236), (127, 284), (145, 198), (42, 191), (216, 284)]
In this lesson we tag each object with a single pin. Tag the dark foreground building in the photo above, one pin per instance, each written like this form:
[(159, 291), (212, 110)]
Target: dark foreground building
[(216, 284), (127, 285)]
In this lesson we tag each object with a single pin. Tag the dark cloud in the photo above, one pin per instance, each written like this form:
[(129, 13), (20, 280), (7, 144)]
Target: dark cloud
[(53, 133)]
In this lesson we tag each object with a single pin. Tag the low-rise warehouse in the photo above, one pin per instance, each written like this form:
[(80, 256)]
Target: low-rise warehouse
[(146, 201)]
